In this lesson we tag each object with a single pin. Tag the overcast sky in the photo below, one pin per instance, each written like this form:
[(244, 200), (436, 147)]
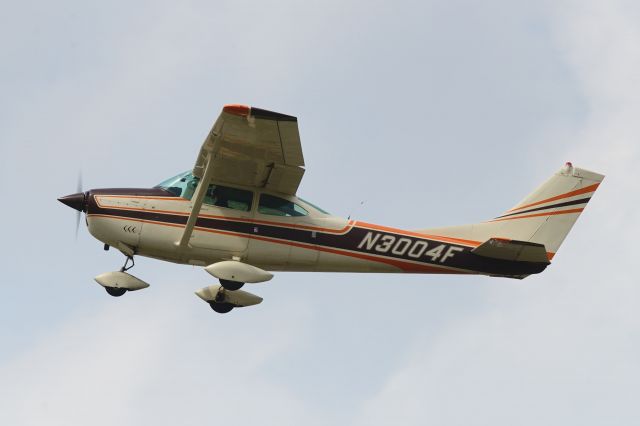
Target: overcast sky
[(432, 112)]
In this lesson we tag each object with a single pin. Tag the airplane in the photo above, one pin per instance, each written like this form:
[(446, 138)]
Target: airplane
[(236, 213)]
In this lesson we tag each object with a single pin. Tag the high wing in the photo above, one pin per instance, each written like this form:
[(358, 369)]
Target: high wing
[(253, 147), (250, 147)]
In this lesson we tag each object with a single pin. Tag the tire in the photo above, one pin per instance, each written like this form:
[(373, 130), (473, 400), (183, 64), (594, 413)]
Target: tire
[(221, 308), (231, 285), (115, 292)]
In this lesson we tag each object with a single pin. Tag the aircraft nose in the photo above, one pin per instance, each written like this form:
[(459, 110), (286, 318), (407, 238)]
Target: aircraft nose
[(75, 201)]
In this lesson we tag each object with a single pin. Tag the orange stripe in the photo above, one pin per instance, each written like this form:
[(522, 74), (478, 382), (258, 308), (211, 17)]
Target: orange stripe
[(586, 189), (539, 215)]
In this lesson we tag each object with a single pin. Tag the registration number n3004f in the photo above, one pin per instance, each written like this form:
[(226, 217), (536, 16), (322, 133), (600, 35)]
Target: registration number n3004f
[(403, 246)]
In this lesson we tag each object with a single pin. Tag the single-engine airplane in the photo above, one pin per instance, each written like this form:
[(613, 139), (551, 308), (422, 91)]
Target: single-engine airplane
[(236, 213)]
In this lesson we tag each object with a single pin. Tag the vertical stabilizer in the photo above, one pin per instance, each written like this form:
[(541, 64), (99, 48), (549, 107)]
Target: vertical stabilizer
[(543, 217)]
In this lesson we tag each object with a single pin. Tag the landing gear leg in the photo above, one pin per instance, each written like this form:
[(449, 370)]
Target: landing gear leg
[(125, 268)]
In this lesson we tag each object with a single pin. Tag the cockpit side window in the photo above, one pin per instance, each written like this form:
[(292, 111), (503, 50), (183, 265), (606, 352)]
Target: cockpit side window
[(231, 198), (276, 206)]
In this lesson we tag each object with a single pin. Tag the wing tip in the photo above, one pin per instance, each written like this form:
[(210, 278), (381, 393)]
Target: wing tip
[(237, 109)]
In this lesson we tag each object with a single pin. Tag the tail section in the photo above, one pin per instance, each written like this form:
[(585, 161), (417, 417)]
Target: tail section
[(544, 217)]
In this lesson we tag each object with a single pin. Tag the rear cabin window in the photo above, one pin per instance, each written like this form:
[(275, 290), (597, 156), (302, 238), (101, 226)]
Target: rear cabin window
[(276, 206), (231, 198)]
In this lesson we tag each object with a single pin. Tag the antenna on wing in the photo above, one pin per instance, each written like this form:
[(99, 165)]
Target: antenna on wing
[(356, 209)]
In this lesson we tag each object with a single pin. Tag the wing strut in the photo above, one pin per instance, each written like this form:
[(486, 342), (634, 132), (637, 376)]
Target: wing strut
[(197, 199)]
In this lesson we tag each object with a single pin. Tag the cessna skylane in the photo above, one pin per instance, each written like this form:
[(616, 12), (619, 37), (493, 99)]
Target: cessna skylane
[(236, 213)]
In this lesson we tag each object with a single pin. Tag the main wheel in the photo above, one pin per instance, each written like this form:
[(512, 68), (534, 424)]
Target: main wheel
[(231, 285), (115, 292), (221, 308)]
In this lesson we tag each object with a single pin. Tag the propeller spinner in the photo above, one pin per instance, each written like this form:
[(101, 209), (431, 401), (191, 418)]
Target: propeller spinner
[(77, 201)]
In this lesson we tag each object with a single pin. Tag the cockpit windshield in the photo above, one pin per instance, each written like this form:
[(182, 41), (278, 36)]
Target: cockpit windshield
[(182, 185), (315, 207)]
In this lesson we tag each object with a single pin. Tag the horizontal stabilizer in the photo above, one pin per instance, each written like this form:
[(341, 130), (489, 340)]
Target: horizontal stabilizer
[(519, 251)]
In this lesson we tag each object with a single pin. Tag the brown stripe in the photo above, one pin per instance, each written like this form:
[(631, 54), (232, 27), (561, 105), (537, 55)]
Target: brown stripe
[(539, 215), (552, 206)]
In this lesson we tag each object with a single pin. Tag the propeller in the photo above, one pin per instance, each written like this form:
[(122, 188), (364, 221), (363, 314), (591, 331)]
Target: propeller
[(77, 201), (78, 190)]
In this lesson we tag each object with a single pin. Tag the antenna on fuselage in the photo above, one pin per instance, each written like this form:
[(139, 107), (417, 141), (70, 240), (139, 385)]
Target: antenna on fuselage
[(356, 209)]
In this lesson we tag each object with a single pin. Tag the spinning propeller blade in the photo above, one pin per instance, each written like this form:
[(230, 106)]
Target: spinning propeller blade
[(78, 190), (77, 201)]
